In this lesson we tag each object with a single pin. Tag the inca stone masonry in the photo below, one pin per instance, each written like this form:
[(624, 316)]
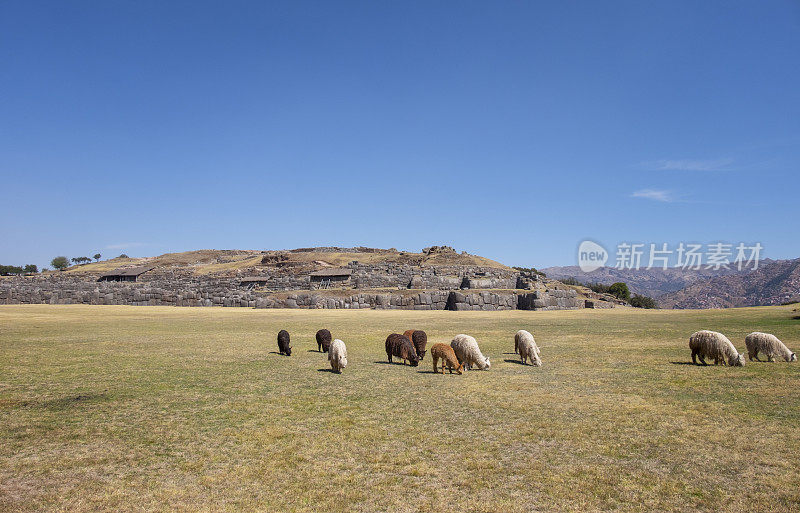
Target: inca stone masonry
[(379, 286)]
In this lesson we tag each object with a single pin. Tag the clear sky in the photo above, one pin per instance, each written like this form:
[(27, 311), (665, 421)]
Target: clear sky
[(508, 129)]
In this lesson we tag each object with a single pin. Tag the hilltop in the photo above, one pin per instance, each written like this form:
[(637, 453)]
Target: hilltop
[(231, 262), (437, 278)]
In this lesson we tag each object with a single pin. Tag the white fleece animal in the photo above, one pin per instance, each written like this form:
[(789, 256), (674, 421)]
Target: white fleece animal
[(468, 352), (710, 344), (768, 344), (527, 348), (337, 355)]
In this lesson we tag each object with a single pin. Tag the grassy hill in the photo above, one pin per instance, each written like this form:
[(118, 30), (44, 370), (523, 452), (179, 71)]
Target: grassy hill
[(165, 409), (209, 261)]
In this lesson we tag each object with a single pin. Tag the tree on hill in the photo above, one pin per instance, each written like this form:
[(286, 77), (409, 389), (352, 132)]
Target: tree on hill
[(123, 256), (620, 291), (530, 271), (97, 257), (10, 269), (31, 269), (60, 263), (81, 260), (640, 301)]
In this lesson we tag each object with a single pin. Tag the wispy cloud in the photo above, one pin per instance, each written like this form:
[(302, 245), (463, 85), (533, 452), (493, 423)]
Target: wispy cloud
[(661, 195), (690, 165), (126, 245)]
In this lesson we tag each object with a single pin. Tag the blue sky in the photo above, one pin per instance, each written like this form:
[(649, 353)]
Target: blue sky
[(509, 129)]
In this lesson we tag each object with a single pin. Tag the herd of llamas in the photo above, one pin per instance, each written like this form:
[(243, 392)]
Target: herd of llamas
[(463, 353), (713, 345)]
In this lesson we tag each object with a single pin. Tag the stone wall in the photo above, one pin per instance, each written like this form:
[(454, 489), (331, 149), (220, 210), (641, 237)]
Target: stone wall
[(557, 299), (394, 276), (441, 277), (227, 292)]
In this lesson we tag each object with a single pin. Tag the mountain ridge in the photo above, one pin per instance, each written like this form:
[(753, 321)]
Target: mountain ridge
[(773, 282)]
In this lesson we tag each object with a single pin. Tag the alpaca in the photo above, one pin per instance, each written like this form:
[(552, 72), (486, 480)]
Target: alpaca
[(768, 344), (323, 340), (468, 352), (284, 346), (399, 346), (527, 348), (420, 339), (448, 357), (710, 344), (337, 355)]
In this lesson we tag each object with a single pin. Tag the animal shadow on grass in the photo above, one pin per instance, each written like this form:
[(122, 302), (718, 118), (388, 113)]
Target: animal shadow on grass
[(796, 317), (277, 353), (65, 402), (314, 351), (519, 362), (384, 362), (684, 363), (508, 353), (327, 370)]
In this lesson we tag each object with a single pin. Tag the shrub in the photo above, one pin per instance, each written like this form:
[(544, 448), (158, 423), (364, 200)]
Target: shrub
[(594, 287), (97, 257), (599, 288), (640, 301), (31, 268)]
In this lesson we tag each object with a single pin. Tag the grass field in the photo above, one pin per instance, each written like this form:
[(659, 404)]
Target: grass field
[(179, 409)]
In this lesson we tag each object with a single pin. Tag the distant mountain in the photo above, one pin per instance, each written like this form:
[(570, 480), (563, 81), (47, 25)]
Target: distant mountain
[(774, 282), (648, 282)]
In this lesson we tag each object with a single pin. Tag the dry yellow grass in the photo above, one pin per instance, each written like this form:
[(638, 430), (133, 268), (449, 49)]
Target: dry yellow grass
[(203, 261), (229, 266), (344, 258), (103, 265), (179, 409), (209, 261)]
